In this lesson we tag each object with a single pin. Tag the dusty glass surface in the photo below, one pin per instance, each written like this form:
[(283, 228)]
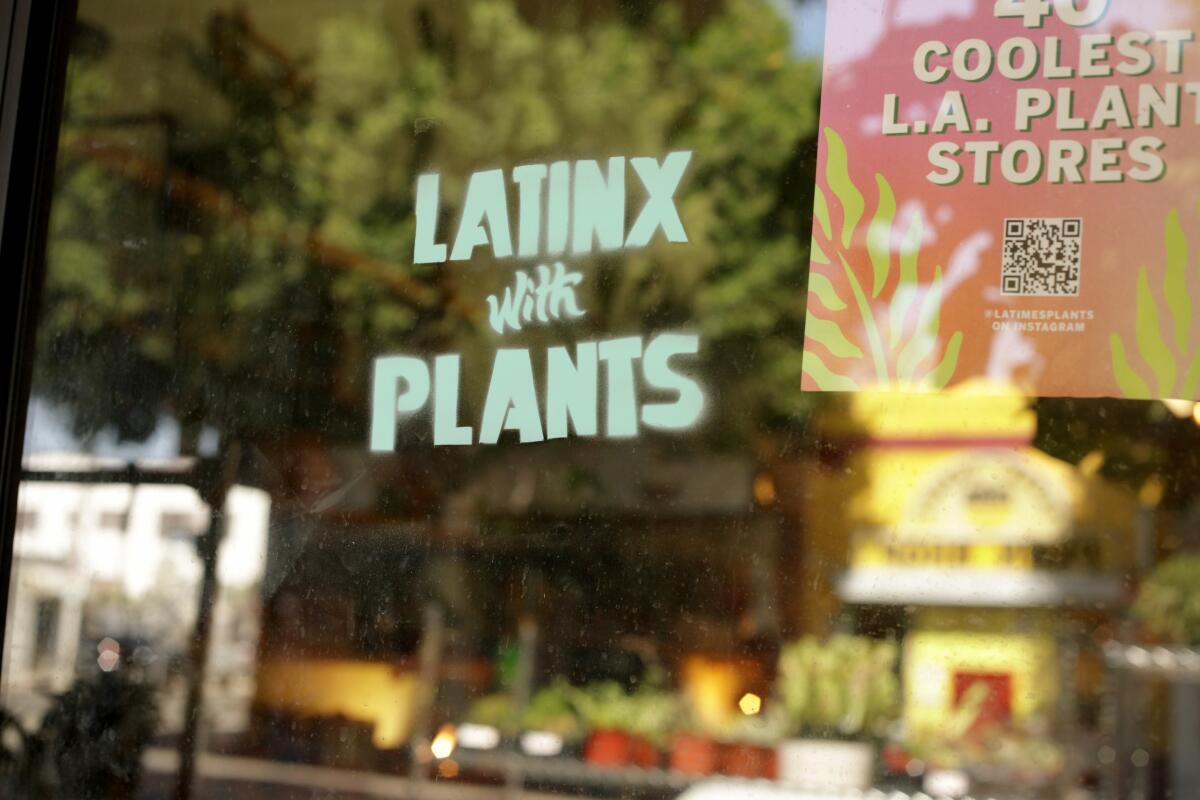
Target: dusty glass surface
[(337, 484)]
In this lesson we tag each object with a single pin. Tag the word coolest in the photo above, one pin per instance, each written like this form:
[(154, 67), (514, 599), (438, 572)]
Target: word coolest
[(404, 386), (582, 205), (1022, 58)]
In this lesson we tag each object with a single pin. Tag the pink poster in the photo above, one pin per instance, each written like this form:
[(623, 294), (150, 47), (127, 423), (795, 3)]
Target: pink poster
[(1008, 189)]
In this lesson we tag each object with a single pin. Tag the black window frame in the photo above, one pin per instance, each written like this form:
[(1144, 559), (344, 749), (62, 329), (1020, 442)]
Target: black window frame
[(35, 40)]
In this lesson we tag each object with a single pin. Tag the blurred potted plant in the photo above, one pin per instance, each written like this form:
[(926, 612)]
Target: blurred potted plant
[(839, 697), (553, 710), (1168, 603), (694, 747), (694, 753), (625, 728), (653, 716), (750, 742), (495, 711)]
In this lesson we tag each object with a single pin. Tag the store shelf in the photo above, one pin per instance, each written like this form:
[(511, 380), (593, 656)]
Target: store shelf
[(237, 776), (998, 588), (580, 776), (1173, 663), (576, 773), (570, 771)]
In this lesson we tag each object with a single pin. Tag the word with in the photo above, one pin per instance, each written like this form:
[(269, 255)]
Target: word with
[(558, 204), (550, 299), (573, 387)]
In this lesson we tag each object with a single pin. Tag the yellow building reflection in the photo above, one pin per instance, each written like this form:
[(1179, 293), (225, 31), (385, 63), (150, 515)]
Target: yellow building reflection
[(994, 554)]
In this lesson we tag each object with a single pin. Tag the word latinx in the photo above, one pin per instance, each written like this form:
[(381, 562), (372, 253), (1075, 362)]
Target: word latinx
[(562, 207)]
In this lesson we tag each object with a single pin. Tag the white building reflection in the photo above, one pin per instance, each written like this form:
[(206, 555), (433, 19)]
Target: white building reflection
[(118, 561)]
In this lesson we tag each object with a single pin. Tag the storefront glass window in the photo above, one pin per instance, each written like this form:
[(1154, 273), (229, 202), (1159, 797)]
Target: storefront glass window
[(421, 408)]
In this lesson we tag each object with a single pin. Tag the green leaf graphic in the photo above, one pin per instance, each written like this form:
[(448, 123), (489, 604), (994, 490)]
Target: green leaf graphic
[(1179, 300), (1191, 379), (1130, 382), (1149, 339), (817, 254), (879, 235), (822, 287), (821, 213), (837, 175), (907, 354), (827, 333), (864, 308), (826, 380), (1164, 362), (944, 371), (920, 346)]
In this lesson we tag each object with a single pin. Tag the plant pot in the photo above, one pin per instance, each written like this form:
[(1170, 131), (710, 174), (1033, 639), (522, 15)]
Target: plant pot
[(608, 748), (643, 753), (612, 748), (830, 765), (692, 754), (743, 760)]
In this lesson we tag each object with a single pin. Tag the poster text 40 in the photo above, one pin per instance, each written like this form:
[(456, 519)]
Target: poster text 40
[(1034, 12)]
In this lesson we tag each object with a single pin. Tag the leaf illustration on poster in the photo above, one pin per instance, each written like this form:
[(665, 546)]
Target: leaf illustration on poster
[(1007, 190), (1171, 362), (888, 343)]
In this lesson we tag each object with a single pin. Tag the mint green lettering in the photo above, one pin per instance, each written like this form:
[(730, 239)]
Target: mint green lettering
[(571, 390), (388, 400), (619, 355), (599, 206), (685, 410), (558, 207), (426, 249), (486, 203), (511, 403), (446, 430), (661, 182), (529, 179)]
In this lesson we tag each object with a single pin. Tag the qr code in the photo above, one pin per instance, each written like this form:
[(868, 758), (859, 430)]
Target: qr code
[(1041, 257)]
